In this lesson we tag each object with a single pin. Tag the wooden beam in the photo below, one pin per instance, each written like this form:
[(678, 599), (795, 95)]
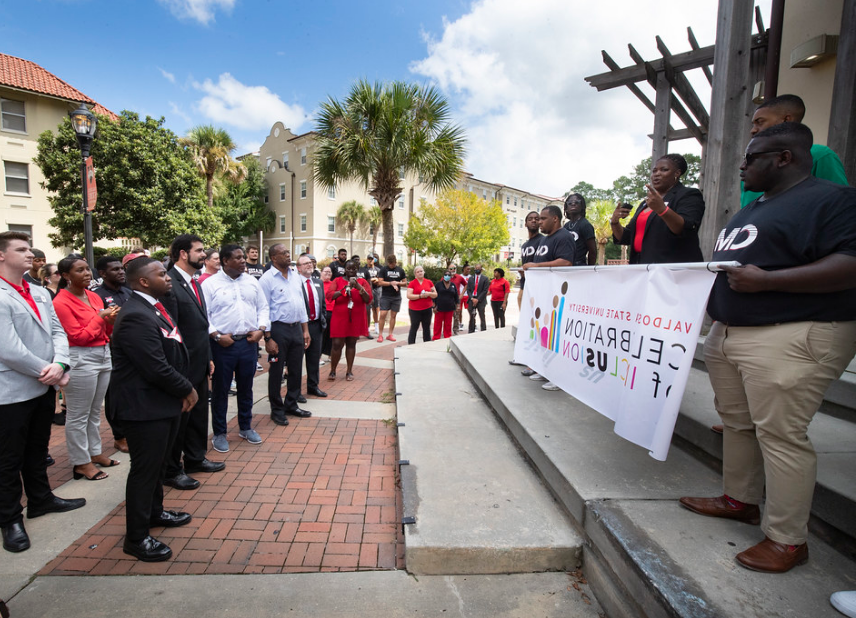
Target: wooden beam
[(694, 45), (759, 20), (842, 117), (612, 64), (729, 120), (683, 87), (676, 135), (631, 75), (663, 103)]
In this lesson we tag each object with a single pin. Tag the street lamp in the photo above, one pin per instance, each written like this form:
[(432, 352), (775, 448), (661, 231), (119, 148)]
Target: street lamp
[(84, 123)]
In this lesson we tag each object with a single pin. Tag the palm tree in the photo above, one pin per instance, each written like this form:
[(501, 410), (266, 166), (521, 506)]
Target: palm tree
[(373, 221), (599, 214), (210, 149), (383, 131), (351, 214)]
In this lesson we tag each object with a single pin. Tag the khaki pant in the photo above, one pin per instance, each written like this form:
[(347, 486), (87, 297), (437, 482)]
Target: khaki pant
[(768, 383)]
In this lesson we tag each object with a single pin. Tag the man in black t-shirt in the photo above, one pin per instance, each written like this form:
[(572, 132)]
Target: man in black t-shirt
[(527, 250), (785, 328), (585, 244), (391, 279), (254, 267), (370, 272), (337, 266)]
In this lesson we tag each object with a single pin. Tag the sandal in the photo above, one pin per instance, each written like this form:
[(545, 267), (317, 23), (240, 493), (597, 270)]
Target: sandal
[(98, 476), (113, 462), (332, 376), (349, 377), (390, 338), (380, 339)]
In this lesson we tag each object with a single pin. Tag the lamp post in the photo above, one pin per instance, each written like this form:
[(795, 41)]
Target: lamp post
[(84, 123)]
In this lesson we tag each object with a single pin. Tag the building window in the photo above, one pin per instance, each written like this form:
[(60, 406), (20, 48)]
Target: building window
[(285, 159), (26, 229), (331, 193), (303, 189), (282, 224), (372, 202), (515, 201), (303, 156), (484, 194), (331, 224), (371, 229), (331, 251), (17, 177), (302, 223), (266, 195), (515, 221), (401, 172), (401, 202), (14, 118), (400, 230), (507, 199), (282, 192), (267, 164)]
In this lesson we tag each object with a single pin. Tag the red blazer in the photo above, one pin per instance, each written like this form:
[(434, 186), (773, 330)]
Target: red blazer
[(82, 324)]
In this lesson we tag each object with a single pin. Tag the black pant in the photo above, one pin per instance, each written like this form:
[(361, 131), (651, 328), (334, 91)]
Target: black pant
[(326, 341), (420, 317), (25, 431), (498, 313), (480, 309), (192, 438), (149, 443), (289, 338), (313, 354)]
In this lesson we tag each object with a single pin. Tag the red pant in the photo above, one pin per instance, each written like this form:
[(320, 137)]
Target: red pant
[(443, 322)]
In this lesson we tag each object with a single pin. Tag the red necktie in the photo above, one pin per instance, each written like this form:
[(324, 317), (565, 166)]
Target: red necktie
[(311, 299), (196, 290), (162, 309)]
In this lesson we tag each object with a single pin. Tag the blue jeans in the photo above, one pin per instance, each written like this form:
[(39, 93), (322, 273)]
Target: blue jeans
[(239, 359)]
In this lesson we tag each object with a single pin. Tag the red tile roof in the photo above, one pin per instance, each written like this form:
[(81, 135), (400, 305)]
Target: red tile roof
[(26, 75)]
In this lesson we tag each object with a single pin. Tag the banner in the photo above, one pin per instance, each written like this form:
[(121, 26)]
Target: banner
[(620, 339), (91, 187)]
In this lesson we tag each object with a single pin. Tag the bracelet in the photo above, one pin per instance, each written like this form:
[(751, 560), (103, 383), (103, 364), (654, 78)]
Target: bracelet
[(664, 211)]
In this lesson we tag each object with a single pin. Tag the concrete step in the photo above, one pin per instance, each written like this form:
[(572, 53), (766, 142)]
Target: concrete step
[(478, 506), (644, 555)]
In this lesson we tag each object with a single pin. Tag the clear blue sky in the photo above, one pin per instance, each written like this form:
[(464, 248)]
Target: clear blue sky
[(513, 71)]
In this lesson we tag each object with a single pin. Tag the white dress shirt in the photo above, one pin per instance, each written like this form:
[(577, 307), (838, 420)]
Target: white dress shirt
[(284, 296), (318, 307), (235, 306)]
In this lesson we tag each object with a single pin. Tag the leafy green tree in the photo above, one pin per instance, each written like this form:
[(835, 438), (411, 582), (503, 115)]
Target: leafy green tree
[(459, 226), (147, 185), (373, 221), (210, 148), (588, 191), (241, 206), (382, 132), (351, 214)]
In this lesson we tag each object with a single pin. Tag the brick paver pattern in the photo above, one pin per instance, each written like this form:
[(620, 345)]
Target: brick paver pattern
[(321, 494)]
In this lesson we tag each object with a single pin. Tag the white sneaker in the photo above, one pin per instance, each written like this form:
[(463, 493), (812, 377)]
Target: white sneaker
[(549, 386), (845, 602), (259, 367), (537, 377)]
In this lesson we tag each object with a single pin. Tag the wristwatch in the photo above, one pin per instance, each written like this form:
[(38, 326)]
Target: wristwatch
[(267, 336), (217, 337)]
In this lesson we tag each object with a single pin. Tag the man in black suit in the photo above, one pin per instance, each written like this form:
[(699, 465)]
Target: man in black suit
[(186, 305), (477, 291), (317, 314), (149, 391)]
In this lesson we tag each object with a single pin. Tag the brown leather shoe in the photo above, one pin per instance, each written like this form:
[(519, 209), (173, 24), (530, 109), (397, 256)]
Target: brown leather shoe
[(719, 507), (771, 557), (121, 445)]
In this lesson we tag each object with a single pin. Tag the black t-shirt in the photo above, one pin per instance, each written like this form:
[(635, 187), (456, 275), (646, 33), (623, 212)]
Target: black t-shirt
[(581, 231), (338, 268), (557, 246), (447, 298), (256, 270), (372, 272), (527, 253), (391, 274), (113, 297), (31, 280), (808, 222)]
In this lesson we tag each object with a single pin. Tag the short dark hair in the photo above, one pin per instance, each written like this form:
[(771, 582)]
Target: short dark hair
[(790, 135), (500, 271), (786, 102), (5, 237), (37, 252), (106, 260), (252, 247), (135, 267), (64, 266), (579, 197), (677, 160), (342, 249), (182, 242), (276, 248), (391, 258), (554, 211), (226, 251)]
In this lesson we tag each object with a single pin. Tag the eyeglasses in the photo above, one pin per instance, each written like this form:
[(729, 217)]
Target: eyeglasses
[(749, 157)]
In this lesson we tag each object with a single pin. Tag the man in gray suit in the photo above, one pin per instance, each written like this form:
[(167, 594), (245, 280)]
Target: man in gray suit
[(33, 359)]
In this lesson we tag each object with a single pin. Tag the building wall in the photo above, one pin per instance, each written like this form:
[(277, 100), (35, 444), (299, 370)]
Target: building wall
[(30, 208), (804, 20)]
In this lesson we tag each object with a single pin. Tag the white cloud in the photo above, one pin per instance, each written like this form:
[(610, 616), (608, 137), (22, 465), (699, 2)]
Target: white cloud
[(177, 111), (170, 77), (514, 74), (232, 103), (200, 10)]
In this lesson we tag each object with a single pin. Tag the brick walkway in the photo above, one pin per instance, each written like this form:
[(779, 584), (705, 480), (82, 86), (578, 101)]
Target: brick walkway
[(321, 494)]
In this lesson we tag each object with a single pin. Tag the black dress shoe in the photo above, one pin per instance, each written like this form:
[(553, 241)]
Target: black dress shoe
[(15, 537), (54, 505), (204, 466), (279, 420), (301, 399), (316, 391), (148, 550), (181, 481), (59, 419), (50, 460), (299, 412), (171, 519)]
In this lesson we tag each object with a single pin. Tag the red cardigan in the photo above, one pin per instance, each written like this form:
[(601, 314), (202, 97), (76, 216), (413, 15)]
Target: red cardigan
[(82, 324)]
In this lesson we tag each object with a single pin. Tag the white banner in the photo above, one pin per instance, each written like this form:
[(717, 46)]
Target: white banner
[(619, 339)]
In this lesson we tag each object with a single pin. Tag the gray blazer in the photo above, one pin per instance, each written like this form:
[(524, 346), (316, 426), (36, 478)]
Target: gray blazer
[(27, 344)]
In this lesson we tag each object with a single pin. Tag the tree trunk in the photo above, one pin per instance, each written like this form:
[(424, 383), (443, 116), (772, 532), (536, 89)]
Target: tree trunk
[(351, 234), (388, 231), (209, 190)]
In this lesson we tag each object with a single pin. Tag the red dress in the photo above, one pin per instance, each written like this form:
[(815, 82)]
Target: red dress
[(348, 322)]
